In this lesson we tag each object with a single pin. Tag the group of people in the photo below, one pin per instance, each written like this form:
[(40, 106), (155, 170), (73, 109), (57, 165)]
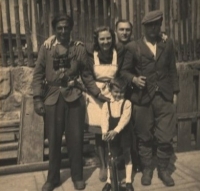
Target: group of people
[(131, 88)]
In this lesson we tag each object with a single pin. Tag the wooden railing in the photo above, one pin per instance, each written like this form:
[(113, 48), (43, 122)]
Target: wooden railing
[(22, 36)]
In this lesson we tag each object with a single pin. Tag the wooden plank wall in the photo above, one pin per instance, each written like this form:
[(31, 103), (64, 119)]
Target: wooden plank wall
[(181, 22)]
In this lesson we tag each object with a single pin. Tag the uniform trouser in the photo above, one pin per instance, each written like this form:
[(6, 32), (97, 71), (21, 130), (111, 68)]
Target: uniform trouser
[(65, 117), (156, 120)]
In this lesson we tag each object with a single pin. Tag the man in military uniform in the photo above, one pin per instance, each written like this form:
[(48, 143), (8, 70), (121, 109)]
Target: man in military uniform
[(61, 101), (149, 66)]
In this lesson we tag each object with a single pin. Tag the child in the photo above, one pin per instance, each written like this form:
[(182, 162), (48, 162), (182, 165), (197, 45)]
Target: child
[(115, 127)]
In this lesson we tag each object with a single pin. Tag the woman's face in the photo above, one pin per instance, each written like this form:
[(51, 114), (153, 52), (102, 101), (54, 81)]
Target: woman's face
[(105, 40)]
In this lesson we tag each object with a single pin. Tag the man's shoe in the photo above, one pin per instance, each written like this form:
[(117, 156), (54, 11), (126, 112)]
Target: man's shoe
[(103, 174), (129, 187), (48, 186), (107, 187), (79, 185), (147, 177), (166, 178)]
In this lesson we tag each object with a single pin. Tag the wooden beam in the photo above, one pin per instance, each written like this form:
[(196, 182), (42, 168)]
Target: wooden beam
[(127, 9), (96, 14), (11, 54), (179, 30), (105, 12), (18, 35), (195, 29)]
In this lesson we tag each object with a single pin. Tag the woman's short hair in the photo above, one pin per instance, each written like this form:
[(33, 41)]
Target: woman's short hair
[(61, 17), (96, 35), (118, 82)]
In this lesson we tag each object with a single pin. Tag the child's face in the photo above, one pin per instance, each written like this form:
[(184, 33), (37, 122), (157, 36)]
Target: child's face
[(117, 93)]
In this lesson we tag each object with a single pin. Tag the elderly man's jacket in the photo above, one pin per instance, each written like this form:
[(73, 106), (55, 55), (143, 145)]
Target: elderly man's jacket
[(160, 71), (44, 71)]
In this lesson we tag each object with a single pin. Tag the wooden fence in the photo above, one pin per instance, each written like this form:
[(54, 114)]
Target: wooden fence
[(25, 24)]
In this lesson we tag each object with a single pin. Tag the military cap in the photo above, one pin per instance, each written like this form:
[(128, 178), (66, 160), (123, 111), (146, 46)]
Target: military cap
[(152, 16)]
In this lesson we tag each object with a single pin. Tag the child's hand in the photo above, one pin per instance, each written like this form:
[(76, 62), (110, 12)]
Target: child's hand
[(111, 135), (104, 136)]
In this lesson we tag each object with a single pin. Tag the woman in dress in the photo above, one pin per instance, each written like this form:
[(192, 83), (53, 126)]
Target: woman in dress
[(104, 57)]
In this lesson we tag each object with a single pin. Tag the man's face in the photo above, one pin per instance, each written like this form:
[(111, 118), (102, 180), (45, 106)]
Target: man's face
[(152, 30), (123, 31), (63, 31)]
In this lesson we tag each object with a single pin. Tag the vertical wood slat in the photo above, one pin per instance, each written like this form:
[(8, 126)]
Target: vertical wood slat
[(28, 35), (142, 13), (127, 9), (51, 14), (150, 5), (37, 24), (179, 31), (167, 18), (138, 19), (119, 8), (184, 13), (83, 29), (157, 4), (105, 12), (18, 36), (11, 54), (90, 23), (45, 19), (190, 30), (61, 7), (96, 16), (195, 30), (68, 7), (75, 18), (3, 51), (135, 34), (112, 14), (198, 120), (173, 20)]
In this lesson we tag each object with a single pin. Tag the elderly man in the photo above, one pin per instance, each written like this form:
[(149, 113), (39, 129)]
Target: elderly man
[(149, 66), (61, 101)]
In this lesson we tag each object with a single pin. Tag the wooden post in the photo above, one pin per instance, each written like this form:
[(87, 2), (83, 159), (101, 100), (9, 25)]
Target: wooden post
[(112, 20), (45, 19), (138, 19), (2, 51), (75, 18), (96, 8), (150, 5), (82, 24), (195, 30), (186, 93), (190, 30), (18, 36), (173, 20), (119, 8), (135, 24), (167, 13), (52, 8), (31, 142), (198, 119), (184, 13), (105, 12), (179, 31), (157, 4), (127, 9), (61, 7), (68, 5), (28, 35), (11, 54), (90, 23)]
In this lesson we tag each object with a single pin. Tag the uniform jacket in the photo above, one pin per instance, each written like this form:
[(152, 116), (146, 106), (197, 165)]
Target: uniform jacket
[(160, 71), (44, 71), (92, 87)]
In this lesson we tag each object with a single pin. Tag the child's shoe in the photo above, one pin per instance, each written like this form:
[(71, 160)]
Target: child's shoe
[(107, 187), (129, 187)]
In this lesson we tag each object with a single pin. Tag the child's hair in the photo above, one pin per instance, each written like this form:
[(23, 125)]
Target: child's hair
[(118, 82)]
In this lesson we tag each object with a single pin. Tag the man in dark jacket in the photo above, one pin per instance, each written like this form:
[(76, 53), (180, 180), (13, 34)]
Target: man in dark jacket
[(61, 101), (149, 66)]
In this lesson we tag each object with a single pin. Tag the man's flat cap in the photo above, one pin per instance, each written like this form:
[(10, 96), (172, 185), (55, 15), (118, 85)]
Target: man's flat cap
[(152, 16)]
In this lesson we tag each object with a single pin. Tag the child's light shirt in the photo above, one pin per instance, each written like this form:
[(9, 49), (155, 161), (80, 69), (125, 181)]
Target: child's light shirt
[(115, 107)]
